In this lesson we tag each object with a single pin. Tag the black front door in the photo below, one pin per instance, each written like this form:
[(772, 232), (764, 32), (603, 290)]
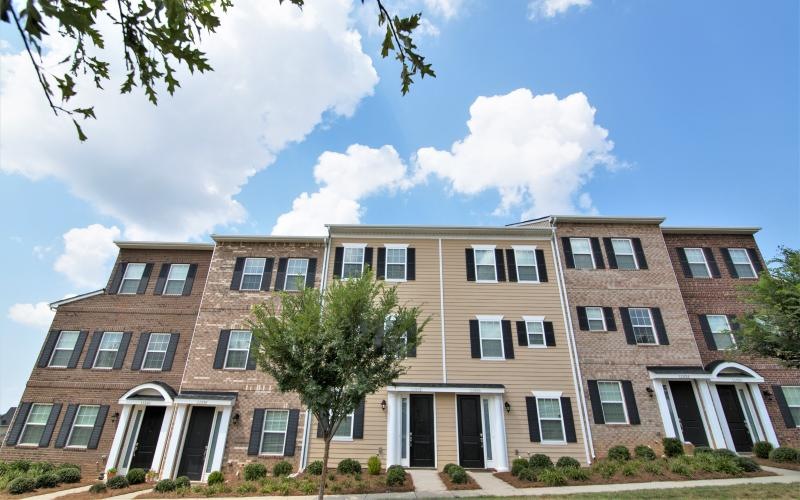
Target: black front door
[(421, 435), (688, 413), (742, 440), (148, 437), (195, 442), (470, 433)]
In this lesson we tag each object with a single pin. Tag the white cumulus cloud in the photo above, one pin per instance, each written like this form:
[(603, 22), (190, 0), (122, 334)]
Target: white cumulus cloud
[(89, 253), (444, 8), (36, 315), (552, 8)]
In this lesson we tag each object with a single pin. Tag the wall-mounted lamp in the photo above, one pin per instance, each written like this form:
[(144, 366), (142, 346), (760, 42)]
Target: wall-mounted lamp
[(236, 418), (383, 405), (114, 417), (507, 405), (650, 391), (767, 394)]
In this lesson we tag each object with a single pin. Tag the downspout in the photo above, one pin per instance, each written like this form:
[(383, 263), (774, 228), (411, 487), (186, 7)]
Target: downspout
[(441, 313)]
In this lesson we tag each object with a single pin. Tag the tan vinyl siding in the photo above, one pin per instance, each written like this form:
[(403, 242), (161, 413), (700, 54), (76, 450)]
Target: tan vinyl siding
[(446, 429)]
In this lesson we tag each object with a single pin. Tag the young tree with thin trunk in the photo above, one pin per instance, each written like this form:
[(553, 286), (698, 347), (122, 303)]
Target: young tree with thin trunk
[(334, 348)]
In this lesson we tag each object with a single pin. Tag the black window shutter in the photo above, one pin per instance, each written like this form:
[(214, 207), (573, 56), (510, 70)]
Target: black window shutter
[(499, 263), (161, 281), (141, 348), (171, 348), (266, 276), (222, 349), (55, 411), (470, 254), (91, 353), (47, 348), (755, 260), (726, 256), (711, 261), (639, 250), (280, 278), (597, 405), (338, 261), (187, 285), (251, 360), (549, 334), (66, 426), (148, 269), (706, 329), (583, 321), (78, 350), (612, 257), (687, 271), (522, 333), (380, 272), (117, 280), (611, 324), (626, 325), (311, 272), (508, 339), (291, 433), (661, 330), (368, 258), (569, 422), (475, 338), (511, 261), (238, 268), (19, 421), (254, 445), (568, 259), (630, 402), (412, 337), (123, 350), (598, 254), (411, 264), (533, 419), (97, 431), (358, 421), (780, 398), (541, 266)]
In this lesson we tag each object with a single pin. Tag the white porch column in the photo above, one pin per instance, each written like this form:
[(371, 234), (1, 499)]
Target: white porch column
[(713, 415), (162, 438), (664, 410), (392, 429), (500, 441), (727, 441), (174, 442), (763, 414), (222, 436), (119, 437)]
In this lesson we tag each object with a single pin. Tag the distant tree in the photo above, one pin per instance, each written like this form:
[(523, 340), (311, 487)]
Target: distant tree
[(333, 348), (773, 328), (157, 35)]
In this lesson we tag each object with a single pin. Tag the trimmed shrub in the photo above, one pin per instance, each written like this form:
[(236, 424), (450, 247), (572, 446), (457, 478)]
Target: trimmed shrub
[(284, 468), (540, 461), (680, 467), (255, 471), (98, 488), (182, 482), (516, 466), (527, 474), (552, 477), (729, 466), (747, 464), (21, 465), (47, 480), (67, 465), (644, 452), (724, 452), (39, 468), (653, 468), (567, 462), (619, 453), (761, 449), (348, 466), (702, 449), (783, 454), (165, 485), (454, 469), (315, 468), (21, 485), (395, 476), (459, 476), (630, 468), (68, 475), (215, 477), (575, 473), (606, 468), (136, 476), (246, 488), (374, 465), (449, 467), (117, 482), (672, 447)]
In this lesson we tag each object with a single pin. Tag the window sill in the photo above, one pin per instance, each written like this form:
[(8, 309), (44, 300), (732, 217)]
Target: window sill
[(103, 368), (647, 345), (57, 367), (150, 369), (270, 454), (493, 359), (76, 448), (616, 424), (27, 446), (529, 282), (537, 346), (345, 439), (486, 281), (554, 443), (597, 331), (395, 280), (234, 369)]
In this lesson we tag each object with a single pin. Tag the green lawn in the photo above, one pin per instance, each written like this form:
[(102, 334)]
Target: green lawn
[(761, 491)]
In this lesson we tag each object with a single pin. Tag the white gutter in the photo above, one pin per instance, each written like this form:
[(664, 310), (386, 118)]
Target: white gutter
[(441, 313)]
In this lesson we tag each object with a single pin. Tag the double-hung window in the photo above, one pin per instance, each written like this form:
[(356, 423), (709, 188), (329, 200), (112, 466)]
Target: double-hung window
[(491, 336), (131, 278), (273, 438), (296, 270), (623, 252), (642, 323), (612, 402), (741, 262), (582, 253), (721, 330), (352, 262), (525, 258), (253, 273), (345, 430), (534, 328), (551, 421), (34, 425), (485, 269), (176, 279), (792, 396), (396, 263), (107, 350), (697, 262), (63, 349), (156, 351), (82, 426), (238, 350), (596, 319)]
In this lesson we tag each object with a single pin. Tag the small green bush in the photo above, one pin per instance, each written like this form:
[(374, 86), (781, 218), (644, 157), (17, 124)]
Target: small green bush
[(644, 452), (761, 449), (724, 452), (348, 466), (606, 468), (702, 449), (729, 466), (540, 461), (39, 468), (681, 467), (68, 475), (567, 462), (67, 465), (527, 474), (454, 469), (630, 468), (21, 485), (395, 476), (516, 466), (136, 476), (182, 482), (575, 473), (747, 464), (246, 488), (47, 480), (374, 465), (255, 471), (654, 468), (449, 467), (284, 468), (215, 477), (672, 447), (98, 488), (552, 477), (165, 485), (315, 468), (459, 476), (21, 465), (783, 454), (117, 483), (619, 453)]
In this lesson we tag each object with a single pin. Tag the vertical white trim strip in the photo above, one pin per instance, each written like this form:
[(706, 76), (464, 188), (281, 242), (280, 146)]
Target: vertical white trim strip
[(664, 408), (441, 313), (713, 416), (119, 437), (763, 414)]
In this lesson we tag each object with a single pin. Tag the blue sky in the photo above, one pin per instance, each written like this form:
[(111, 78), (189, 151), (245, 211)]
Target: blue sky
[(700, 101)]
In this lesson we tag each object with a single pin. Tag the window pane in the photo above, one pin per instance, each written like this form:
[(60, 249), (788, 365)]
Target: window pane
[(723, 341), (236, 359), (744, 271), (174, 287), (549, 408), (80, 436), (739, 256), (792, 395), (486, 273), (699, 271), (345, 427), (613, 413), (626, 262), (251, 282), (134, 271), (32, 434), (583, 261), (294, 282), (487, 429), (67, 340), (395, 271), (254, 266), (580, 246), (275, 421), (491, 329), (492, 348), (795, 411), (403, 427), (609, 391), (353, 255), (39, 414), (105, 359), (695, 255), (484, 257), (111, 340), (60, 358), (622, 247), (395, 255), (272, 443), (527, 273), (86, 415), (178, 271), (551, 430), (535, 332), (525, 257), (718, 323), (594, 315), (351, 271), (297, 266), (158, 342), (154, 360), (239, 340)]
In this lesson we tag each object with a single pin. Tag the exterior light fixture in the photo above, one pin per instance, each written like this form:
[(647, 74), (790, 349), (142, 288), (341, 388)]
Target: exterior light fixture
[(383, 405), (236, 418), (508, 407), (650, 391)]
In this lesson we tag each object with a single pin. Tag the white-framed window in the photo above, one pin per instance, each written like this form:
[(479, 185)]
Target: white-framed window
[(176, 279), (273, 437), (253, 273), (582, 253), (741, 261), (296, 270), (35, 423), (156, 351), (596, 319), (623, 252), (527, 270), (534, 328), (63, 349), (82, 426), (721, 330), (107, 350), (131, 279), (612, 402), (345, 430), (491, 337), (642, 323), (696, 259), (551, 422), (792, 396), (353, 261), (396, 262), (485, 266), (238, 350)]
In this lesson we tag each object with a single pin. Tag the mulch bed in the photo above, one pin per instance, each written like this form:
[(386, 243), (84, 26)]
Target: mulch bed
[(779, 465), (471, 484), (43, 491), (109, 492), (641, 477)]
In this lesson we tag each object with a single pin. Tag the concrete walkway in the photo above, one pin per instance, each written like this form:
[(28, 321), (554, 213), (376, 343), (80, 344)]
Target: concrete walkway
[(60, 493), (428, 484)]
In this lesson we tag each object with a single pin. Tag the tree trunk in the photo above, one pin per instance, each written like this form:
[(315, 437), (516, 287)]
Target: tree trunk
[(324, 477)]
